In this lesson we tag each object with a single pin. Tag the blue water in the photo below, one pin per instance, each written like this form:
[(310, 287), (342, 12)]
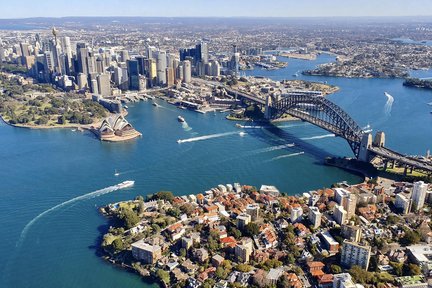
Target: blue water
[(43, 169)]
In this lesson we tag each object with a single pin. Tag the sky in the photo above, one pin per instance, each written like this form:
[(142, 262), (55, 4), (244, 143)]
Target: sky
[(214, 8)]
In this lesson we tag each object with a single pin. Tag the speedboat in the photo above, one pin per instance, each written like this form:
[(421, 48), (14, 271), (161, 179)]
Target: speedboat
[(179, 141), (155, 104), (180, 119), (116, 173), (125, 184), (242, 134)]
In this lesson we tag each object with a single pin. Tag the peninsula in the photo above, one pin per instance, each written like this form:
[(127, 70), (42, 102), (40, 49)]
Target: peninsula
[(240, 236)]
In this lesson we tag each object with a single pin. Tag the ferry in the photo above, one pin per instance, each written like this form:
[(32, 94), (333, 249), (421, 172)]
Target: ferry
[(125, 184), (180, 119)]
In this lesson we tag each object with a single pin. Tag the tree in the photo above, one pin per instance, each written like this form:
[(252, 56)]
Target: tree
[(397, 268), (283, 282), (164, 195), (221, 273), (411, 269), (163, 276), (183, 252), (129, 218), (251, 229), (410, 237), (244, 267), (117, 245), (335, 269)]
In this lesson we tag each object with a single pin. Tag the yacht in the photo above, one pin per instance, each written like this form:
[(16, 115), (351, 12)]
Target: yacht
[(180, 119), (125, 184)]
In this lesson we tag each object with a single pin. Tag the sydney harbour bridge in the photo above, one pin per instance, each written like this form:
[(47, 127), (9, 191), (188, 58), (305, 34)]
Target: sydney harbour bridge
[(312, 107)]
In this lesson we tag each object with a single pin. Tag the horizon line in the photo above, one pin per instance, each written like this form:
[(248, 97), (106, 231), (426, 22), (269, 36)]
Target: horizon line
[(222, 17)]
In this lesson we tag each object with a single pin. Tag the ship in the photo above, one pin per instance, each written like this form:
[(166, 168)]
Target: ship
[(125, 184), (180, 119)]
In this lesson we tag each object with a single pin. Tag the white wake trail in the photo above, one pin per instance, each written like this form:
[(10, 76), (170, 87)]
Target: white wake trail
[(273, 148), (388, 105), (288, 155), (68, 202), (206, 137), (318, 137)]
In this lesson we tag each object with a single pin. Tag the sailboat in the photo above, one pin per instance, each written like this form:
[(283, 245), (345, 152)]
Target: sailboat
[(116, 173)]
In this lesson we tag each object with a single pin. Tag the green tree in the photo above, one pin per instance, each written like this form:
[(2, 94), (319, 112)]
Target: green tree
[(411, 269), (251, 229), (129, 218), (117, 245), (163, 276), (183, 252), (221, 273), (244, 267), (335, 269), (410, 237)]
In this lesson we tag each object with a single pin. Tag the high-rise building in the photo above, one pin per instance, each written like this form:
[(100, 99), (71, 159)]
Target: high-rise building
[(124, 55), (82, 54), (103, 81), (187, 71), (170, 76), (161, 65), (141, 65), (82, 81), (296, 214), (242, 220), (253, 211), (24, 49), (314, 217), (204, 52), (133, 74), (347, 200), (355, 254), (340, 215), (351, 232), (419, 195), (403, 203), (94, 86)]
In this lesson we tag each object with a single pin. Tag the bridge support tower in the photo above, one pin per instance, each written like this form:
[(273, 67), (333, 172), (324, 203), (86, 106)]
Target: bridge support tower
[(267, 111), (365, 143)]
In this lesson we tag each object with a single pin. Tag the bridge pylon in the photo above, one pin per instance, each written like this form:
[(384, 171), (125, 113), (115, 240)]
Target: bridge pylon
[(268, 107), (365, 144)]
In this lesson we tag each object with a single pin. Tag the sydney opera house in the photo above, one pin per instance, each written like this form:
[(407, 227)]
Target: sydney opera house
[(117, 128)]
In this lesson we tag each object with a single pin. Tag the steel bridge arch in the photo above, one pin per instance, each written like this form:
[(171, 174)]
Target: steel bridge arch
[(319, 111)]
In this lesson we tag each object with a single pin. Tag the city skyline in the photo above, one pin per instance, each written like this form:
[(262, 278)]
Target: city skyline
[(198, 8)]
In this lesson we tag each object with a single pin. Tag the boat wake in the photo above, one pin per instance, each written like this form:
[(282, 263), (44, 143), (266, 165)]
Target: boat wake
[(186, 127), (90, 195), (388, 105), (318, 137), (206, 137), (285, 156), (273, 148), (367, 129)]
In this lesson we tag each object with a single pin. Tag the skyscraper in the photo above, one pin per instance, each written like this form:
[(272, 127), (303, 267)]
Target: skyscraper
[(419, 195), (141, 64), (103, 81), (161, 65), (133, 74), (187, 71)]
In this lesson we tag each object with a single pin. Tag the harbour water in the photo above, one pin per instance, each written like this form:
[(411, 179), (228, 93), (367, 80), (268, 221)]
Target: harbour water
[(51, 180)]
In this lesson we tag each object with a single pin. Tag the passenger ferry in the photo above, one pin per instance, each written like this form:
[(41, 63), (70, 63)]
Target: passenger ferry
[(125, 184)]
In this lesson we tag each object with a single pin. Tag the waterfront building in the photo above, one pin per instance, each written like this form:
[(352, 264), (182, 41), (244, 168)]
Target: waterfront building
[(253, 211), (170, 76), (296, 214), (148, 254), (270, 190), (314, 217), (354, 253), (419, 195), (242, 220), (340, 215)]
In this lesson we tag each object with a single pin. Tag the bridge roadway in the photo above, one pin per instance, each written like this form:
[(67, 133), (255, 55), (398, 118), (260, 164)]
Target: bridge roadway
[(392, 155)]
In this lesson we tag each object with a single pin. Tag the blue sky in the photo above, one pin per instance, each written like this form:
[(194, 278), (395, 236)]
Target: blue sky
[(205, 8)]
